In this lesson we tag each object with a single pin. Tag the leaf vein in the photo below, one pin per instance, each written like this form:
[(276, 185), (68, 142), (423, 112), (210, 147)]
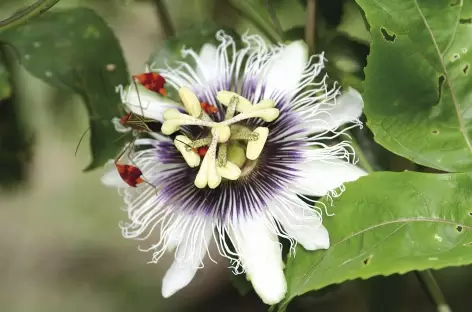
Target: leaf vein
[(462, 127)]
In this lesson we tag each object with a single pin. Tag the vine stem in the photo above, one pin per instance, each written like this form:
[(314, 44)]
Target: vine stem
[(164, 18), (265, 27), (24, 15), (433, 290), (310, 27)]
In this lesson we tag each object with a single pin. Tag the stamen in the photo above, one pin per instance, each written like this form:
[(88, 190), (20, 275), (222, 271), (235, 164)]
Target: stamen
[(224, 134), (173, 121), (201, 180), (254, 148), (207, 173), (229, 171), (191, 102), (231, 156), (214, 179), (192, 159), (225, 98), (173, 113), (263, 104)]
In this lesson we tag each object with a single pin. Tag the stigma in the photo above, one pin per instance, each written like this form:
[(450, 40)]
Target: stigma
[(230, 145)]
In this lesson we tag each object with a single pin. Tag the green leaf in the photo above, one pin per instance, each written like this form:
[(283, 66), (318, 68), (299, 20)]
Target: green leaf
[(76, 50), (387, 223), (417, 90)]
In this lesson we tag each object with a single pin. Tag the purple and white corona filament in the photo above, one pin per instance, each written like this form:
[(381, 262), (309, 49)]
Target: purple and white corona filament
[(267, 157)]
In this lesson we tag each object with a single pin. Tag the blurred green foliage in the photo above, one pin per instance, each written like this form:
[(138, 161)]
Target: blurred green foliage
[(67, 253)]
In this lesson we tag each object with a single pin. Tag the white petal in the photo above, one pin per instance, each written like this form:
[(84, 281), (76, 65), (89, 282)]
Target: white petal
[(347, 109), (321, 176), (147, 103), (113, 179), (261, 256), (301, 222), (188, 259), (285, 70), (208, 65)]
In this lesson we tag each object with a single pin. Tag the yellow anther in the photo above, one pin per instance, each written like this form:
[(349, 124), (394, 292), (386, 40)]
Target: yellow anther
[(263, 104), (168, 127), (268, 114), (207, 173), (201, 180), (182, 143), (229, 171), (191, 102), (174, 119), (214, 178), (254, 148), (224, 97), (173, 113), (223, 134)]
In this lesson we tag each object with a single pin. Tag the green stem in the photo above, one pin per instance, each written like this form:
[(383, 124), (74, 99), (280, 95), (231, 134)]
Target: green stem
[(433, 290), (26, 14), (164, 18), (310, 28), (252, 15)]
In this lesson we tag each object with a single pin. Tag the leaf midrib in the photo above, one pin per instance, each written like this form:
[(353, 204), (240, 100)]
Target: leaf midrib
[(314, 266), (462, 127)]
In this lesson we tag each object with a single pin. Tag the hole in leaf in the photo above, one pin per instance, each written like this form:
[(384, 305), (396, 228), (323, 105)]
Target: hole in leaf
[(435, 131), (455, 3), (466, 69), (470, 214), (367, 260), (455, 57), (441, 80), (387, 36), (466, 20), (459, 228)]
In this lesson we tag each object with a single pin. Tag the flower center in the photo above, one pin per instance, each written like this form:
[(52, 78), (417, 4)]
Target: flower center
[(231, 149)]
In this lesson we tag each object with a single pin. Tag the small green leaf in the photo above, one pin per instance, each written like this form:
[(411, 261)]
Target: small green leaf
[(5, 86), (418, 90), (352, 23), (388, 223), (76, 50), (240, 282)]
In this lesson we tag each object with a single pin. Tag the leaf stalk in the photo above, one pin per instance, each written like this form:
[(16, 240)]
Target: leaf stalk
[(24, 15)]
